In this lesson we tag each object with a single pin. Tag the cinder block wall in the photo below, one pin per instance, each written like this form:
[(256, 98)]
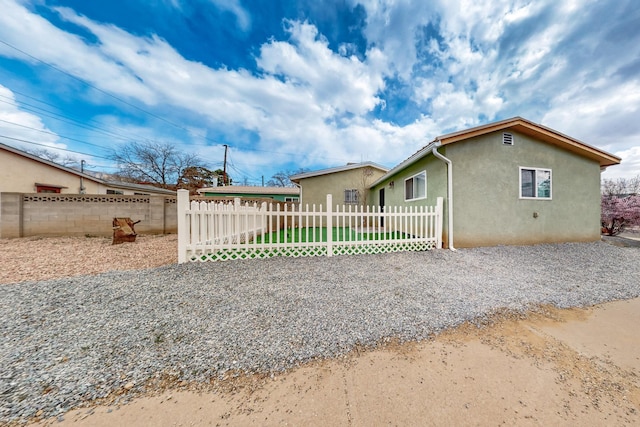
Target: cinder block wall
[(24, 215)]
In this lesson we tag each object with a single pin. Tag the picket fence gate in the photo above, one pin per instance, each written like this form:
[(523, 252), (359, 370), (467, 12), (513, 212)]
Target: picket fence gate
[(217, 231)]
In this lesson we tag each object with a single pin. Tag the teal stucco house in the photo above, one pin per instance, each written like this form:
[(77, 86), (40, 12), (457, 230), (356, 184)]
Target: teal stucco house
[(248, 193), (512, 182)]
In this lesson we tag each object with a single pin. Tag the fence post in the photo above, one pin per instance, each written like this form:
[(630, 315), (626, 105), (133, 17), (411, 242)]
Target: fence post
[(182, 206), (439, 202), (329, 225)]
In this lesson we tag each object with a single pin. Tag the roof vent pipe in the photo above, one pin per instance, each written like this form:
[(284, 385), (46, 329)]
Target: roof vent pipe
[(434, 150)]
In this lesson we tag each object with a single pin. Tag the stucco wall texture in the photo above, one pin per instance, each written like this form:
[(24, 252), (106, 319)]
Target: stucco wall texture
[(19, 174), (315, 189), (487, 208)]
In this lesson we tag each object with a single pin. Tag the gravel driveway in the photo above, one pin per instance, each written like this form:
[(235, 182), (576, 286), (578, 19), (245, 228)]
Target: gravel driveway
[(68, 341)]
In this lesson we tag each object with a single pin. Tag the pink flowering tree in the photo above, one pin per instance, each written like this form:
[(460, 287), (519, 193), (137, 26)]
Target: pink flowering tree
[(619, 212), (620, 204)]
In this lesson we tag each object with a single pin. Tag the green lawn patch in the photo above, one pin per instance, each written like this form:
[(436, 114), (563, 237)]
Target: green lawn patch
[(319, 234)]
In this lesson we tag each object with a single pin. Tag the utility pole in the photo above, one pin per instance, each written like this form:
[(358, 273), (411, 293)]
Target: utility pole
[(225, 181), (82, 189)]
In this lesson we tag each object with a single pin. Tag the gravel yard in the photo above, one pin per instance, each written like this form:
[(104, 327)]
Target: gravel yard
[(71, 340)]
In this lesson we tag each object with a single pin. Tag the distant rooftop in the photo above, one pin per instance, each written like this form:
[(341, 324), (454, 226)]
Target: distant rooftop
[(348, 166), (247, 189)]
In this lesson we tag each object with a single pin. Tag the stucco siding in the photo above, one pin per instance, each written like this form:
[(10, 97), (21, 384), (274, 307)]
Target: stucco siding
[(488, 209), (315, 189), (19, 174), (436, 186)]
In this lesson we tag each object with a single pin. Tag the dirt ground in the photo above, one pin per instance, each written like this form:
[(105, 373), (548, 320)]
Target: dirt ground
[(552, 367)]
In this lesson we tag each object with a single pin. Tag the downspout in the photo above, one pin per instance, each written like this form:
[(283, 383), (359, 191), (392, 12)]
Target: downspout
[(449, 193)]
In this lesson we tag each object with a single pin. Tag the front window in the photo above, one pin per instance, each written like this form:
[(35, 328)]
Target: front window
[(535, 183), (415, 188), (350, 197)]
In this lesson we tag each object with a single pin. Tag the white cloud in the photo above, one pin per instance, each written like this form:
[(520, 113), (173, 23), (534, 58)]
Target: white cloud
[(243, 17), (341, 84), (602, 113), (629, 167), (485, 61), (296, 106), (37, 36), (394, 27), (18, 126)]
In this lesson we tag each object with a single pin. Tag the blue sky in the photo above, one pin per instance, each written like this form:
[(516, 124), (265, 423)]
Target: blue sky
[(309, 84)]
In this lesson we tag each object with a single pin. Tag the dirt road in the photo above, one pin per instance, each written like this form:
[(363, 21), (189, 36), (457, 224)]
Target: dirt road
[(556, 367)]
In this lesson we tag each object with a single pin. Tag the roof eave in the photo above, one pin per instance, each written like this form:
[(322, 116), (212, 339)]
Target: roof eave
[(539, 131), (296, 178), (420, 154)]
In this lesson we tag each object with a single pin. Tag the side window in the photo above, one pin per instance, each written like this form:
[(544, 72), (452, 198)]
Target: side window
[(535, 183), (350, 197), (415, 187)]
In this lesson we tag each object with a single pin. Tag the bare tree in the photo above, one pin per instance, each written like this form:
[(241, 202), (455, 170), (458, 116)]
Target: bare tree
[(54, 157), (159, 164), (281, 178), (366, 178), (621, 186)]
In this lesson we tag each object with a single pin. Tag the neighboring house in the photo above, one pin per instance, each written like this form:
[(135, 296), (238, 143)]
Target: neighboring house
[(245, 192), (508, 182), (347, 184), (21, 172)]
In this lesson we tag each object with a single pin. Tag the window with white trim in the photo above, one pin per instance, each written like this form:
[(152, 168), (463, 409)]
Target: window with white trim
[(290, 199), (535, 183), (351, 196), (415, 187)]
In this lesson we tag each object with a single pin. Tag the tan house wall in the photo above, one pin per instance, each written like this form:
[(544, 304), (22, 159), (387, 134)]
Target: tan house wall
[(19, 174), (315, 189), (24, 215)]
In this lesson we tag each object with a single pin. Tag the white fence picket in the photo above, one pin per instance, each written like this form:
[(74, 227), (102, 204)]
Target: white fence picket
[(209, 231)]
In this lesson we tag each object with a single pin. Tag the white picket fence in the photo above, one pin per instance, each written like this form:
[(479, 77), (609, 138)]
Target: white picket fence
[(215, 231)]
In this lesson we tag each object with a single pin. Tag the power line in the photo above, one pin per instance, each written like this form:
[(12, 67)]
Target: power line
[(95, 87), (133, 105), (74, 121), (52, 133), (62, 118), (53, 148)]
